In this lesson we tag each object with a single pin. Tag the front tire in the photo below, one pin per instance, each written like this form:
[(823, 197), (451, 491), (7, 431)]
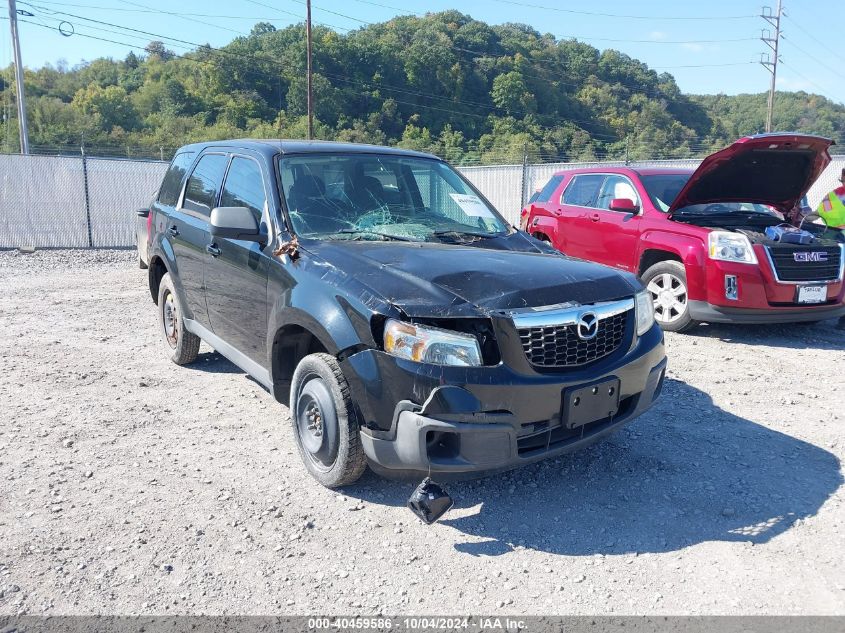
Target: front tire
[(183, 345), (667, 283), (325, 423)]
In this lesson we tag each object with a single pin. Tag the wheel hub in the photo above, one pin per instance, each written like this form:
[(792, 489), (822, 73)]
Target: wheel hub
[(316, 423), (315, 420), (171, 320), (670, 297)]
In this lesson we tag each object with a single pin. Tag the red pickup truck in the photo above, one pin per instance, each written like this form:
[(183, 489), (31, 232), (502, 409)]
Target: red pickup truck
[(698, 238)]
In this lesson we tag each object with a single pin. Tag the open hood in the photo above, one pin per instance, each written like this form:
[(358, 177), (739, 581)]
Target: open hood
[(775, 169)]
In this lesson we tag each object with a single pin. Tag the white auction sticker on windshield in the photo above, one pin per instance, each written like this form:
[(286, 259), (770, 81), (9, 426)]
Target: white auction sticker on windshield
[(472, 205)]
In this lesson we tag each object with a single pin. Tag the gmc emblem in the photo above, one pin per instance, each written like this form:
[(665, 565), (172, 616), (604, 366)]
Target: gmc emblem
[(810, 256)]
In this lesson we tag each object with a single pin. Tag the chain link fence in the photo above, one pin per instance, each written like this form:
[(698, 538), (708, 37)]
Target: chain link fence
[(79, 202), (69, 202)]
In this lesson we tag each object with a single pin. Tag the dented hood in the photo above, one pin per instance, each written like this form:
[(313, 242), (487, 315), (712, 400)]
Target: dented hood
[(446, 280), (774, 169)]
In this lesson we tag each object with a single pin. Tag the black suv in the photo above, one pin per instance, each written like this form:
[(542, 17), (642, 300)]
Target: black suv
[(405, 323)]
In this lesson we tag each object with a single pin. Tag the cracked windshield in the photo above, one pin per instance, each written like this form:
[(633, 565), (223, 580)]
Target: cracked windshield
[(372, 197)]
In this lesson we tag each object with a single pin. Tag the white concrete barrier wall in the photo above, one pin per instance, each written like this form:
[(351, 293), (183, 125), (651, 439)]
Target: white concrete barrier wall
[(43, 198)]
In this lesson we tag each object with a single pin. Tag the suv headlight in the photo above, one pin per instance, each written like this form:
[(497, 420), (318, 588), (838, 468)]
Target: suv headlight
[(730, 247), (645, 312), (426, 344)]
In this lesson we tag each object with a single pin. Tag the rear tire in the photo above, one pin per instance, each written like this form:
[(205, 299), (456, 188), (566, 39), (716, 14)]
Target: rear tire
[(325, 422), (667, 283), (183, 345)]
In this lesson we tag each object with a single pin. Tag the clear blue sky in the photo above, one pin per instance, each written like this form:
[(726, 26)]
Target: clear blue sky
[(704, 55)]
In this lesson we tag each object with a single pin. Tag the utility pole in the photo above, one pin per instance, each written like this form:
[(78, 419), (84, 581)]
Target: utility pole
[(771, 64), (16, 46), (308, 47)]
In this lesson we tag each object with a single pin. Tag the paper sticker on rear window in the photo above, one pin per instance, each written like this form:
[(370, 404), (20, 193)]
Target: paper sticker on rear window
[(472, 205)]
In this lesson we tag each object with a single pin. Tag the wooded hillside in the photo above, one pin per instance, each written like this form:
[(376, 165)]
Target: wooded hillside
[(443, 82)]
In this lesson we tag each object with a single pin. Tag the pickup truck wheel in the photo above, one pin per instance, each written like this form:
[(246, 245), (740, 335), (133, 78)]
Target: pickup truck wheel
[(184, 345), (324, 422), (667, 283)]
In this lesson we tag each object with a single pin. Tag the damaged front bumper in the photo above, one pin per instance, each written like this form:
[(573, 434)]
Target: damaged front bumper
[(488, 418)]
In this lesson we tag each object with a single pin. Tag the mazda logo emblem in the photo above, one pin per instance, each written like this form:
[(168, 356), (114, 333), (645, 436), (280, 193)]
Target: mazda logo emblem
[(588, 326)]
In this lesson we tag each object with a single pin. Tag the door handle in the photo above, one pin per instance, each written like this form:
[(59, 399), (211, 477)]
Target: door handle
[(173, 230), (595, 217), (212, 250)]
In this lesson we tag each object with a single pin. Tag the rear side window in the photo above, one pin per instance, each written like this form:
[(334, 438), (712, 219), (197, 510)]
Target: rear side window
[(547, 191), (244, 187), (171, 186), (583, 190), (204, 184)]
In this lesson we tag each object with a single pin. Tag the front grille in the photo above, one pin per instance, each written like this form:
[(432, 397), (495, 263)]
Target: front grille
[(806, 267), (560, 345), (554, 437)]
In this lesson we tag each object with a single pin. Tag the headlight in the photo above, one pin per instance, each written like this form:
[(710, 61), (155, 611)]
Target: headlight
[(730, 247), (426, 344), (645, 312)]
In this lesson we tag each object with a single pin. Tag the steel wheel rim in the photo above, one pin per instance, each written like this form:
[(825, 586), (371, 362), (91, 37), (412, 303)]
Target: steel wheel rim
[(669, 294), (170, 319), (316, 424)]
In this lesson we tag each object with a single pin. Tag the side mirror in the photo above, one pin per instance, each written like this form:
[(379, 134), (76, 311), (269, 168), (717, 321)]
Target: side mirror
[(235, 223), (625, 205), (143, 213)]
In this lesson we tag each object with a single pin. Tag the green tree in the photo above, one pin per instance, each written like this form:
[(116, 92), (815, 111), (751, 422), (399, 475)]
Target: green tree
[(110, 106), (511, 94)]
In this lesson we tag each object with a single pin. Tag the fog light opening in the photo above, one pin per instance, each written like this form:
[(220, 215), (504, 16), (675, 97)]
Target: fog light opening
[(442, 445), (731, 287)]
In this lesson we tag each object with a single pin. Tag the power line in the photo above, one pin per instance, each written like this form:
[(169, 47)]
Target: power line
[(805, 78), (205, 48), (625, 16), (589, 124), (216, 26), (567, 37), (257, 72), (387, 6), (829, 50), (498, 109), (704, 65), (637, 89), (813, 57), (456, 48), (296, 15), (254, 57), (153, 10), (145, 35)]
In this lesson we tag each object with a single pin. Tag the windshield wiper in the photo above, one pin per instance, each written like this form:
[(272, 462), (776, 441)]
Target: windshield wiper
[(388, 236), (449, 232)]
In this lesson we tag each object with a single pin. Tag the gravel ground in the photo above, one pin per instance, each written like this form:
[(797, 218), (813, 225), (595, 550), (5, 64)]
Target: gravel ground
[(131, 485)]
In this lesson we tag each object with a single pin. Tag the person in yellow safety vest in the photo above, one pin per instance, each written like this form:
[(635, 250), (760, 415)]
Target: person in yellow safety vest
[(832, 207), (832, 212)]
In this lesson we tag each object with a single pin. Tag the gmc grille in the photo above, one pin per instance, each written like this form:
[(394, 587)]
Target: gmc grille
[(560, 345), (806, 267)]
